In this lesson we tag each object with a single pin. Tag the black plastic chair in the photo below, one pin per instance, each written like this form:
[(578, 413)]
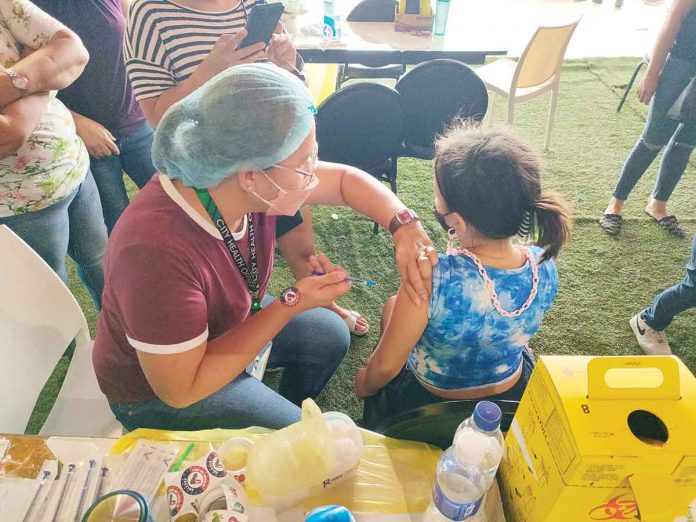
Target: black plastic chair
[(436, 423), (629, 85), (435, 93), (362, 125), (370, 11)]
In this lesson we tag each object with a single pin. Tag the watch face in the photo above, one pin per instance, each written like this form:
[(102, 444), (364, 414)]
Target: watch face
[(20, 83), (404, 216)]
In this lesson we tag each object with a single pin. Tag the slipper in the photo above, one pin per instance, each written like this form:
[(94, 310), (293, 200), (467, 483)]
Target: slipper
[(611, 223), (352, 321), (670, 224)]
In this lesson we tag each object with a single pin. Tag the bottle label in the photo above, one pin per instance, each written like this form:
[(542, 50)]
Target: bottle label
[(454, 510)]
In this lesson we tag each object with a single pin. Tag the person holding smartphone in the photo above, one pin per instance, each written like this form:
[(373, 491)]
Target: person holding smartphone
[(187, 267), (175, 46)]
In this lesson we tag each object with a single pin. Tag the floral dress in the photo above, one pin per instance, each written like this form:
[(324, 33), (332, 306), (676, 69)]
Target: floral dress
[(53, 161)]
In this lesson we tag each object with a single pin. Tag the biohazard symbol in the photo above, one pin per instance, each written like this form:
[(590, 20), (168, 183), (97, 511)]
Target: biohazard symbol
[(623, 507)]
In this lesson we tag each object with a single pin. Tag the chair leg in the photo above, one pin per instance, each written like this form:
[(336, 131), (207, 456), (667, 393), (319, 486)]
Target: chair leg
[(392, 174), (511, 110), (491, 109), (552, 116), (341, 75), (630, 85)]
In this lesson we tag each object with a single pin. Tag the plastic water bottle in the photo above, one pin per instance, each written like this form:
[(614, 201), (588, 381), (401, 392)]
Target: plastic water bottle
[(441, 15), (467, 469), (458, 491), (479, 441), (332, 22)]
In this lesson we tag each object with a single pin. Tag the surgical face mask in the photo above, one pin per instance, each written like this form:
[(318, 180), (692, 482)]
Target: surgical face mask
[(288, 202)]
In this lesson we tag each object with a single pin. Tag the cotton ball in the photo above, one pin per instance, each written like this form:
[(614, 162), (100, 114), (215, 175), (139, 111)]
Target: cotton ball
[(347, 454)]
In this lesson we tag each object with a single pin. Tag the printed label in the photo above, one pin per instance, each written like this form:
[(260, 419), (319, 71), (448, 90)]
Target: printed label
[(454, 510), (622, 507), (175, 497), (195, 480), (214, 465)]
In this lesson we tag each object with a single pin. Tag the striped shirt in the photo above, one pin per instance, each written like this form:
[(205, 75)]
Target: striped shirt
[(165, 42)]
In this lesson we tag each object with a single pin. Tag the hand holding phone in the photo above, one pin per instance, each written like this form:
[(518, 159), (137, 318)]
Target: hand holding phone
[(227, 53)]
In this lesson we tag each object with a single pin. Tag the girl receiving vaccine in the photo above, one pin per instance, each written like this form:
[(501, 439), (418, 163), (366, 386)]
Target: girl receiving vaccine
[(489, 293)]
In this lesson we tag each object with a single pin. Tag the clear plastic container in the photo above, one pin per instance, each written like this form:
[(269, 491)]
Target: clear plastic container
[(316, 453)]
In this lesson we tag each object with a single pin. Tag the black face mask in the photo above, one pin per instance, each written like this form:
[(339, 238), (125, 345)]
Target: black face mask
[(441, 219)]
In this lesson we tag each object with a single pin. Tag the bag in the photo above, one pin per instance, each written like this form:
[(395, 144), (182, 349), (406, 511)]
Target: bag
[(684, 109)]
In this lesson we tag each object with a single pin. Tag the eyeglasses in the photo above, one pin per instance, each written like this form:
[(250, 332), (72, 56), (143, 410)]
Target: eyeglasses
[(441, 218), (308, 170)]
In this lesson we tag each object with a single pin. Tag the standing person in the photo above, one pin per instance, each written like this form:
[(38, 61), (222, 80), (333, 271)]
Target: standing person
[(649, 325), (489, 297), (185, 309), (47, 194), (174, 47), (672, 66), (107, 116)]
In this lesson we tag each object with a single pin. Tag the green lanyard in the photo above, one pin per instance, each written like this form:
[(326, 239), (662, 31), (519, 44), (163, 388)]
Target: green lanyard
[(250, 273)]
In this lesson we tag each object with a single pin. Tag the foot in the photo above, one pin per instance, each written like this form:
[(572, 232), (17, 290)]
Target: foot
[(615, 206), (651, 341), (361, 324), (656, 209)]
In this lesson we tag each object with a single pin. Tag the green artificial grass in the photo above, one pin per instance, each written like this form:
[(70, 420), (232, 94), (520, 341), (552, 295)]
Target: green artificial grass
[(604, 281)]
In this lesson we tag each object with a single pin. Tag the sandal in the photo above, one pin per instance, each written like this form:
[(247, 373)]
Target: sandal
[(611, 223), (352, 321), (670, 224)]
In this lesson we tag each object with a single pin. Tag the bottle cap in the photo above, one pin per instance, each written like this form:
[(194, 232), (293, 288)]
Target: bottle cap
[(487, 416), (330, 514)]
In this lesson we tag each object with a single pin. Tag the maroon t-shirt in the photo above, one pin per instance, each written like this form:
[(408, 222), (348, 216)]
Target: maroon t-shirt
[(170, 284)]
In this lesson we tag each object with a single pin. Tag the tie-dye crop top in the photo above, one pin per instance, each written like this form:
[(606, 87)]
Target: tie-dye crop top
[(467, 343)]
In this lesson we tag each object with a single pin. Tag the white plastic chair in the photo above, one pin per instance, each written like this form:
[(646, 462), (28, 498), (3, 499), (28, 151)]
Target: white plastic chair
[(538, 70), (39, 318)]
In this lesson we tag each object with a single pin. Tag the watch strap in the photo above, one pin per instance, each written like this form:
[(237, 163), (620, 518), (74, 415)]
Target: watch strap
[(403, 217)]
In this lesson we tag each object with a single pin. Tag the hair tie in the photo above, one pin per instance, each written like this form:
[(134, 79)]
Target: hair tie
[(527, 226)]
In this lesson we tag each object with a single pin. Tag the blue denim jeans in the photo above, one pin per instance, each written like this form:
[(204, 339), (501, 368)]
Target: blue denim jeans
[(134, 160), (675, 299), (405, 393), (661, 131), (309, 349), (72, 226)]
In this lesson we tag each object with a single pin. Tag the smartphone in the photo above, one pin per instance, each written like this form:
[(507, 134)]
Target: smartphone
[(262, 21)]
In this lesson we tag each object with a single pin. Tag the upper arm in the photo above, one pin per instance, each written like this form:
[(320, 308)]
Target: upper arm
[(170, 375), (328, 191), (30, 26), (163, 312), (145, 55), (405, 327)]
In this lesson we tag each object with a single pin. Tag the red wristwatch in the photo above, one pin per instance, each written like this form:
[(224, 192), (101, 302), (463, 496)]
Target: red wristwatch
[(289, 297), (403, 217)]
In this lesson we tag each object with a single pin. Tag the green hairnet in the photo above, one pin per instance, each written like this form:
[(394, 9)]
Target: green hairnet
[(247, 117)]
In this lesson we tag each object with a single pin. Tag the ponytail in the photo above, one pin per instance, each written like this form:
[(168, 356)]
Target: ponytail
[(553, 223)]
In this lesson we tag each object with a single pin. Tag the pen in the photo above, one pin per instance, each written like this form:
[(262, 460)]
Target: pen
[(364, 282)]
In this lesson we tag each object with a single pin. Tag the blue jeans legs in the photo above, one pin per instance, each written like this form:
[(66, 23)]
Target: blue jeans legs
[(72, 226), (675, 299), (309, 349), (134, 160)]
